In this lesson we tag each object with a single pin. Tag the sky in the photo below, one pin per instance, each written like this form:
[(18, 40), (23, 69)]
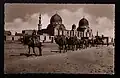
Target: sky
[(21, 16)]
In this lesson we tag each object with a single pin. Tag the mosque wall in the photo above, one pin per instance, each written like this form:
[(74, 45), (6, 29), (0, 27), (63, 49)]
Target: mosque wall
[(73, 33)]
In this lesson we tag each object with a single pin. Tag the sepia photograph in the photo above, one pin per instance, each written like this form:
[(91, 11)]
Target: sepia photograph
[(59, 38)]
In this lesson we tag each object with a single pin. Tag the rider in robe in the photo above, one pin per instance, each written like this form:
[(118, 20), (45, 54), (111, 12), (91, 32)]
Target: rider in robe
[(34, 37)]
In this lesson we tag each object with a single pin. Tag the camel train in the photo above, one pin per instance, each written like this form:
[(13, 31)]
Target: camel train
[(65, 43)]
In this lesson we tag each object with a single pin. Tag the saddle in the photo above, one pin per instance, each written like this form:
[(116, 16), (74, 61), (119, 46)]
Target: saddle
[(35, 41)]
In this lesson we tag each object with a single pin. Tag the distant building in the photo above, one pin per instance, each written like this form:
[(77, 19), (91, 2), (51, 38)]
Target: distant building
[(50, 31), (84, 28), (28, 32), (18, 34), (56, 27), (55, 24), (6, 33), (12, 38), (9, 37)]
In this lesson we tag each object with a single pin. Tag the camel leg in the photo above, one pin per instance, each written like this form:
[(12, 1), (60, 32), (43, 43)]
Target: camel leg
[(97, 45), (80, 47), (29, 49), (63, 48), (33, 50), (60, 48), (84, 46), (73, 47), (90, 45), (40, 52), (77, 47), (66, 47), (69, 47)]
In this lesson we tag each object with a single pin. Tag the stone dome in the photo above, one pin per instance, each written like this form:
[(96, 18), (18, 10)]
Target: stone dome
[(83, 22), (55, 18)]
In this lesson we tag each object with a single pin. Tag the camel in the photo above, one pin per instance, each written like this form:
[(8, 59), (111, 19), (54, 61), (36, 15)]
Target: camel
[(32, 42), (62, 42)]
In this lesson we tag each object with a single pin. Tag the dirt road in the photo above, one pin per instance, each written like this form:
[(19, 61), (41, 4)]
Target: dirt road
[(92, 60)]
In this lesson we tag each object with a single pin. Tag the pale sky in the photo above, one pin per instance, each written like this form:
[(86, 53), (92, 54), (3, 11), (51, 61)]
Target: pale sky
[(25, 16)]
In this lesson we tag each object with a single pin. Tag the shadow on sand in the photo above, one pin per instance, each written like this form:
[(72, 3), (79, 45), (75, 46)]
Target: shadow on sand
[(25, 54), (55, 51)]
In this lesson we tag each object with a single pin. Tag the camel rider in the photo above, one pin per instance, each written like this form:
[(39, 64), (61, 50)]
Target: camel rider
[(67, 37), (34, 36)]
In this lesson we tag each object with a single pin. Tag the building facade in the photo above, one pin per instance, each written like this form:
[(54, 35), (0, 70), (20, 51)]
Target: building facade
[(56, 27), (83, 30)]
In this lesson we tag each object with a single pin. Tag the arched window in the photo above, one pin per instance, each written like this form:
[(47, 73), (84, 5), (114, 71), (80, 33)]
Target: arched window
[(44, 37), (50, 37), (13, 38)]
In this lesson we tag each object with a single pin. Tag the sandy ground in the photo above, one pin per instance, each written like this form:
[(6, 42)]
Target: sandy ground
[(93, 60)]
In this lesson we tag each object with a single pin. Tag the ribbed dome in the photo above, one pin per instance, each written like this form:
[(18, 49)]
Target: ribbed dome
[(83, 22), (55, 18)]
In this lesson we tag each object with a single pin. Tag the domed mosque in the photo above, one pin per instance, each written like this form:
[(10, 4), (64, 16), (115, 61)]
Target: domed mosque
[(56, 27), (52, 29), (84, 26), (55, 24)]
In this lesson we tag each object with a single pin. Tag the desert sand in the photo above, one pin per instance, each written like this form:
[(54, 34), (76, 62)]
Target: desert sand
[(95, 60)]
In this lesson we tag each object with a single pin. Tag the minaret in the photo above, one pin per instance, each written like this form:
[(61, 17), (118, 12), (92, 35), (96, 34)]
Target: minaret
[(56, 11), (97, 33), (83, 16), (39, 25)]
